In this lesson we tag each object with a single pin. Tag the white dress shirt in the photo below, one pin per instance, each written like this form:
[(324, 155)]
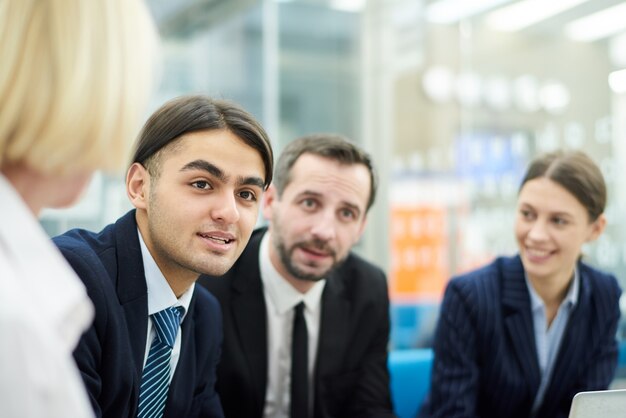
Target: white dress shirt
[(161, 296), (44, 309), (280, 300)]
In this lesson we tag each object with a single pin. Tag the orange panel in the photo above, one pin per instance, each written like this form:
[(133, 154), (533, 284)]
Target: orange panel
[(420, 265)]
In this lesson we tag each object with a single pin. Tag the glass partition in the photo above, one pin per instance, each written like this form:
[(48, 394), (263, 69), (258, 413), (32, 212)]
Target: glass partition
[(452, 101)]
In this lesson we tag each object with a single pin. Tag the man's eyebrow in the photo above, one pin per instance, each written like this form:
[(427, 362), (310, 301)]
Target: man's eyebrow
[(309, 193), (251, 181), (353, 206), (204, 165), (217, 172)]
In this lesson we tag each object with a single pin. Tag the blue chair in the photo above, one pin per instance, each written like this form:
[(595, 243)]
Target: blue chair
[(410, 379), (413, 324)]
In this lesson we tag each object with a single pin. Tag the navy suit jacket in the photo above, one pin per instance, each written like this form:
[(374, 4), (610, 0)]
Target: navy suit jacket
[(110, 354), (351, 377), (485, 354)]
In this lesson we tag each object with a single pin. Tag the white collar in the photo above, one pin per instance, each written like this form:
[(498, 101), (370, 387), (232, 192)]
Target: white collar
[(160, 294), (571, 297), (284, 296)]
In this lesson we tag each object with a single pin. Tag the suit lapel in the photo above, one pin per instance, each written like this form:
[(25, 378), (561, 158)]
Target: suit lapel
[(181, 388), (518, 320), (250, 314), (333, 333), (131, 286), (575, 338)]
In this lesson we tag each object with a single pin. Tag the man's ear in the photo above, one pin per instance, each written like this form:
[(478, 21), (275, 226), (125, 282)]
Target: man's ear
[(138, 185), (269, 197)]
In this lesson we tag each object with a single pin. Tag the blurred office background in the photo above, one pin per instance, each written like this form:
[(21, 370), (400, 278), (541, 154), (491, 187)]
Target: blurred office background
[(452, 98)]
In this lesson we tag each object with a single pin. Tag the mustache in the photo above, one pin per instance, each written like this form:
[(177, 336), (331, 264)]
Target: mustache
[(317, 245)]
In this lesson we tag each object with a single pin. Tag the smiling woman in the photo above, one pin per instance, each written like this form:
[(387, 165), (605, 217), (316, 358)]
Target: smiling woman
[(561, 204), (521, 336), (551, 227)]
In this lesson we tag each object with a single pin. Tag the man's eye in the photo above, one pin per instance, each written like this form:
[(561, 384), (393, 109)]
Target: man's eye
[(308, 203), (348, 214), (201, 184), (248, 195)]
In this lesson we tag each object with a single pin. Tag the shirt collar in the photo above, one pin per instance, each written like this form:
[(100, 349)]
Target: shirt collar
[(571, 298), (283, 295), (160, 294)]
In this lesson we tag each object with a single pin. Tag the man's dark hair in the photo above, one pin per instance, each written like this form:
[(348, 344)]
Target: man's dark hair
[(332, 146), (188, 114)]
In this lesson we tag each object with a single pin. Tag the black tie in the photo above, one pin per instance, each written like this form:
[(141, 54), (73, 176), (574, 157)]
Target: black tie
[(299, 365)]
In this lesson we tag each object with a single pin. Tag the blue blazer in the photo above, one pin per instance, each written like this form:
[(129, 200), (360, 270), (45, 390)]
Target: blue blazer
[(110, 354), (485, 354)]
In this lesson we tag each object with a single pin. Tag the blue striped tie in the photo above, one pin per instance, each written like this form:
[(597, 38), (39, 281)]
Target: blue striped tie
[(155, 380)]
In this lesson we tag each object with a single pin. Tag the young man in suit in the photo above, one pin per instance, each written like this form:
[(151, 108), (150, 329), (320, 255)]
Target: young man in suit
[(197, 177), (306, 321)]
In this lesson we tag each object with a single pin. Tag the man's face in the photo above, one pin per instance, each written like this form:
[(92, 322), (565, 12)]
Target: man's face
[(197, 215), (318, 218)]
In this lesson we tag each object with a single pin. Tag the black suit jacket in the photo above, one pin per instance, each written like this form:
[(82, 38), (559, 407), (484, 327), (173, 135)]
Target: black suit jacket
[(485, 353), (110, 354), (351, 376)]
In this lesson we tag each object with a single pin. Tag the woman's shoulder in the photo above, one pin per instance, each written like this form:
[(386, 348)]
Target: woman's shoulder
[(490, 274), (600, 281)]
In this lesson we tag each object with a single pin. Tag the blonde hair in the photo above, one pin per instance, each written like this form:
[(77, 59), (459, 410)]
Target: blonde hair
[(75, 76)]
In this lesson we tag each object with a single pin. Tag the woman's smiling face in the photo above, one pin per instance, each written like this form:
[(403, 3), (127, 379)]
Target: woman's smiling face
[(551, 226)]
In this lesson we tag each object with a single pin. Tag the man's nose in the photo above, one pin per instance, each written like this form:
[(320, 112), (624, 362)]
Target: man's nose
[(225, 208)]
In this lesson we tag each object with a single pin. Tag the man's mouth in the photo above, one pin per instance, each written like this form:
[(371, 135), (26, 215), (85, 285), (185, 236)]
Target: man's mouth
[(220, 240), (317, 250)]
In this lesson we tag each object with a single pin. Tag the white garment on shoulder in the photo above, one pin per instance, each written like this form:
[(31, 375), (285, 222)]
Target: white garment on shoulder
[(44, 309)]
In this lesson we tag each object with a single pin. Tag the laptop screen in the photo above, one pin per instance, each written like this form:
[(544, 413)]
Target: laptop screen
[(599, 404)]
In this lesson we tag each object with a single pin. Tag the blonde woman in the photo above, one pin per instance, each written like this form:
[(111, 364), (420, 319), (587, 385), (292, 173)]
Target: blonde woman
[(74, 79)]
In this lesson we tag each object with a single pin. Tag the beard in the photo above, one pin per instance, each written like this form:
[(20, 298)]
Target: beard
[(285, 255)]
